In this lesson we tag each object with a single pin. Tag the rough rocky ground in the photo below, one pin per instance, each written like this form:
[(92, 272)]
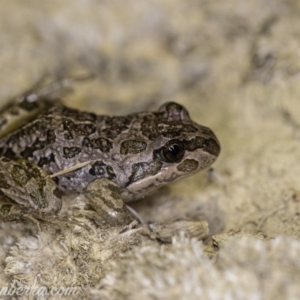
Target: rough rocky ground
[(235, 66)]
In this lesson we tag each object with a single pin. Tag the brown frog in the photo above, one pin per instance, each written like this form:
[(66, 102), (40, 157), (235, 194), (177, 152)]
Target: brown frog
[(110, 159)]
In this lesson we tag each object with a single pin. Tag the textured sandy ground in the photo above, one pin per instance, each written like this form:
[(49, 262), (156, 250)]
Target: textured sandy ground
[(235, 66)]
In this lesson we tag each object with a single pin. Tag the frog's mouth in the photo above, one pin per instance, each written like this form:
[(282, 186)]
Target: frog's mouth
[(147, 177)]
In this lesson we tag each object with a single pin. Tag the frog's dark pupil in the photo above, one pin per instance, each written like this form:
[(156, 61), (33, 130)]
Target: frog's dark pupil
[(173, 151)]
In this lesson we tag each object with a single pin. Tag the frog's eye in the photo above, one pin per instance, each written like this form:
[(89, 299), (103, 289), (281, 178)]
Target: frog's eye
[(173, 151)]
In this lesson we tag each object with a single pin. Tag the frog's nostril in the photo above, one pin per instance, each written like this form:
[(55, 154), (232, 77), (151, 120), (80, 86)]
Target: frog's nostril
[(212, 146), (205, 143)]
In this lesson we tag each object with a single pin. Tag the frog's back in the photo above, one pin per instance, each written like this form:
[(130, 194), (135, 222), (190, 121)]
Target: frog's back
[(58, 139)]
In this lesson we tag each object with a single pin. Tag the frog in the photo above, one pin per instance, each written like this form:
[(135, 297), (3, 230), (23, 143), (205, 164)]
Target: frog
[(48, 150)]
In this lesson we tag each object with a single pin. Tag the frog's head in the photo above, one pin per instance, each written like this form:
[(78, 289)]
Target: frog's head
[(169, 146)]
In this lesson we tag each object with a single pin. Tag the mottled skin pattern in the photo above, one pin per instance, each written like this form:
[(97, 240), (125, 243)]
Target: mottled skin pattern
[(136, 153)]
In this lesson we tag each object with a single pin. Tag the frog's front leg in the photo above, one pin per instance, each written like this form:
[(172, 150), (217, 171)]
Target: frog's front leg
[(27, 191), (109, 209)]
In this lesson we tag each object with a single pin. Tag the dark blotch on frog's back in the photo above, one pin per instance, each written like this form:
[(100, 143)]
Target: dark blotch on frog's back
[(100, 170), (83, 129), (132, 147), (104, 145), (114, 126), (39, 144), (45, 160), (70, 152)]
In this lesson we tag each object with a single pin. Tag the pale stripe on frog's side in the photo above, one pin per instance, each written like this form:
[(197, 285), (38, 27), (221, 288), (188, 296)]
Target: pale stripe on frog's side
[(136, 153)]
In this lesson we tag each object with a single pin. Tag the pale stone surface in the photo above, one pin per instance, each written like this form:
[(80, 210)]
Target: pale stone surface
[(235, 66)]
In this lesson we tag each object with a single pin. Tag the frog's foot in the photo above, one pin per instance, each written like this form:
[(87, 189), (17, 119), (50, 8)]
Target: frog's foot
[(45, 88), (51, 91), (191, 228), (10, 212), (62, 222), (37, 99), (25, 107), (24, 183), (14, 212), (108, 207), (27, 192)]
